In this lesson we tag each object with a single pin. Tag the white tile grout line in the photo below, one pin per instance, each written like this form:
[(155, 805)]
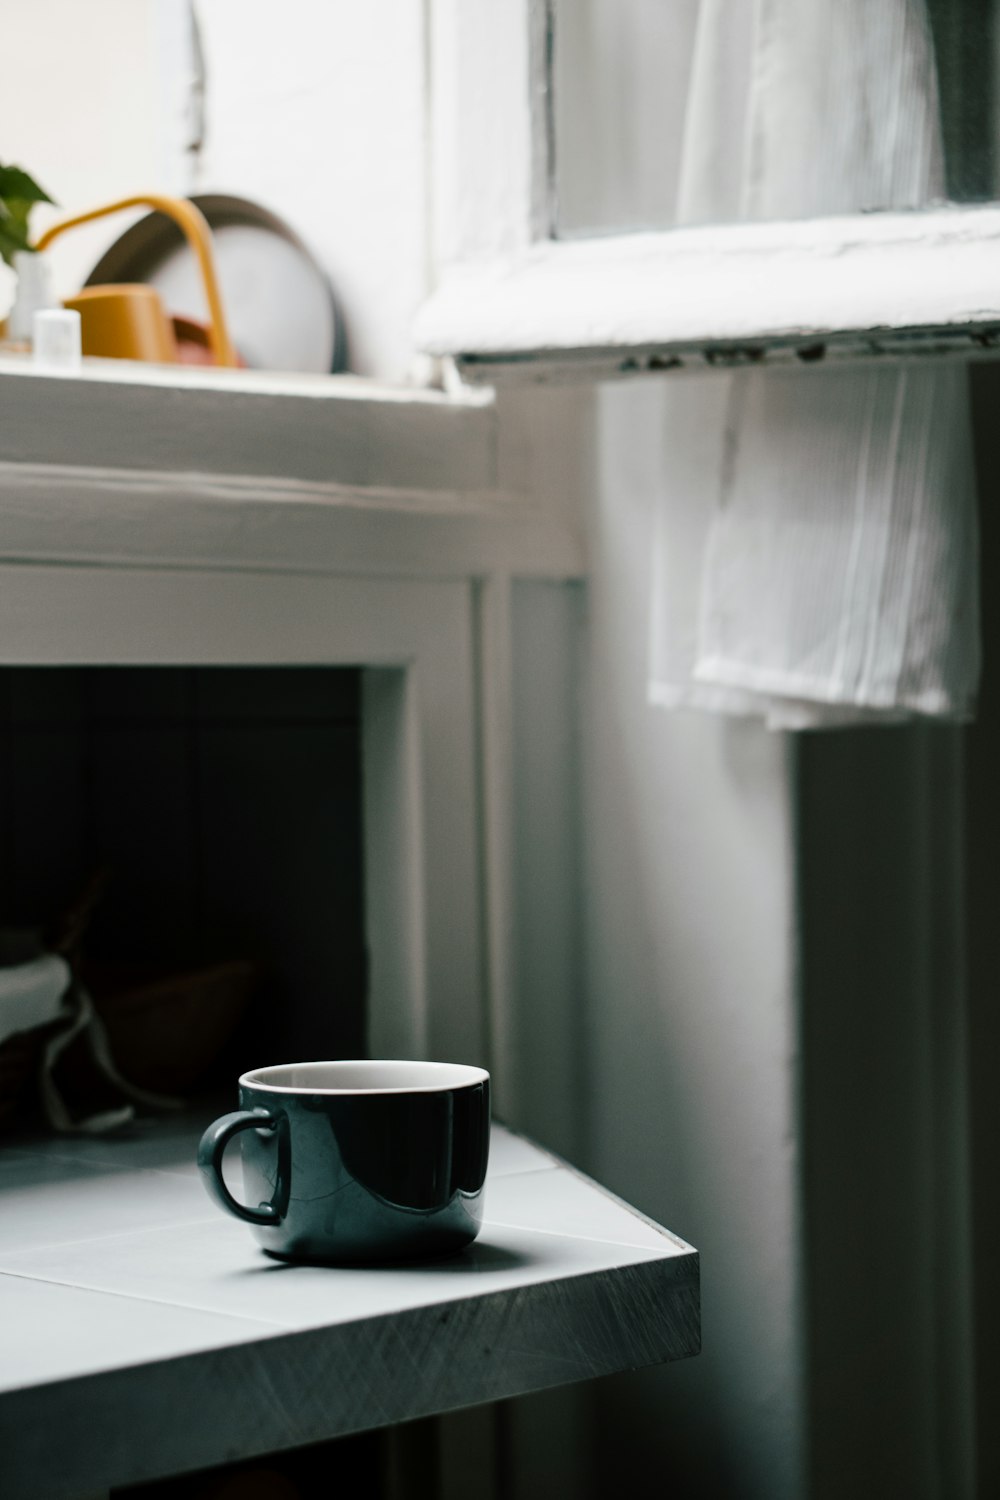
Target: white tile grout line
[(625, 1206), (98, 1168), (196, 1307), (648, 1257), (546, 1166), (111, 1235), (551, 1164), (190, 1170), (21, 1154), (674, 1247), (213, 1218)]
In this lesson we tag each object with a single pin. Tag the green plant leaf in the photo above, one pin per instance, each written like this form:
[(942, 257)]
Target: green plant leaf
[(13, 237), (15, 211), (19, 192), (13, 229), (15, 183)]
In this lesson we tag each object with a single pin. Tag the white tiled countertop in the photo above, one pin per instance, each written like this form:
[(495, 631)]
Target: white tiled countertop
[(143, 1333)]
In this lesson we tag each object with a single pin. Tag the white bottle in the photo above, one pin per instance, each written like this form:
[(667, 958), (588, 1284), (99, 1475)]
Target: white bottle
[(56, 341), (34, 293)]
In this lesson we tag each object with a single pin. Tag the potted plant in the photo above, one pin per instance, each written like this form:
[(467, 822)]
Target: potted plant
[(18, 195), (19, 192)]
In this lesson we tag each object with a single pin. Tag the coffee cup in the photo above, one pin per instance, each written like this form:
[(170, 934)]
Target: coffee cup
[(357, 1161)]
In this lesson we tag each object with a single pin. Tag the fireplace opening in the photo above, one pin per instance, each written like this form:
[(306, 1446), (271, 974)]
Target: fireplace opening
[(197, 831)]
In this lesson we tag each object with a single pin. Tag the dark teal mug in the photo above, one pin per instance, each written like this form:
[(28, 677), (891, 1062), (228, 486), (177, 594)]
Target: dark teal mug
[(357, 1161)]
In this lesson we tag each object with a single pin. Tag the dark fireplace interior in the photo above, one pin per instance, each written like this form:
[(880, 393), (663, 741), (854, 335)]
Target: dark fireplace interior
[(194, 817), (194, 834)]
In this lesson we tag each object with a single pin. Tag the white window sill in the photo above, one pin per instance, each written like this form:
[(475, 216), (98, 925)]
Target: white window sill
[(860, 287)]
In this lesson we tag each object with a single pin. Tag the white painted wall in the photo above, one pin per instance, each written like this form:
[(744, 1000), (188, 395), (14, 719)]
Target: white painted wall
[(654, 1032), (690, 1022), (91, 106), (771, 1059), (316, 108)]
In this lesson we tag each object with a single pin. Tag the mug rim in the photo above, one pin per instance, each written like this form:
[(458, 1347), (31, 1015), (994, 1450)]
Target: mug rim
[(452, 1076)]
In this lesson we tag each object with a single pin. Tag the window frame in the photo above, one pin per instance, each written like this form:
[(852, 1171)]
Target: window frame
[(514, 304)]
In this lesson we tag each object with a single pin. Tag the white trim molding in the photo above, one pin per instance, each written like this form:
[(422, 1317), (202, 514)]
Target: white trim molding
[(423, 837), (328, 429), (489, 136), (156, 467), (120, 518), (880, 285)]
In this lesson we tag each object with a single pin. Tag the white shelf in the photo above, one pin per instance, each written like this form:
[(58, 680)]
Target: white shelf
[(328, 430), (145, 1334), (129, 465)]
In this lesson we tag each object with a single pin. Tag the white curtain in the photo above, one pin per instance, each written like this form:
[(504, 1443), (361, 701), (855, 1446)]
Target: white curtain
[(833, 509)]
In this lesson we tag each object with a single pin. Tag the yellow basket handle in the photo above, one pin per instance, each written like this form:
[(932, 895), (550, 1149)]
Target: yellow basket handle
[(194, 225)]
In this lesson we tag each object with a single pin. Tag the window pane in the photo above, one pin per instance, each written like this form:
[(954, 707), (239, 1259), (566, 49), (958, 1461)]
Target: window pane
[(621, 70), (698, 111)]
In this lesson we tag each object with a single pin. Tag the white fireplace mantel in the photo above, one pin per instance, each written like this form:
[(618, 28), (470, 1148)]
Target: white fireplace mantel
[(175, 516), (152, 466), (155, 517)]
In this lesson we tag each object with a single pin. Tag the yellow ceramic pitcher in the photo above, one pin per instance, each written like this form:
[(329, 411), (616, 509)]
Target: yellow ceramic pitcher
[(128, 321)]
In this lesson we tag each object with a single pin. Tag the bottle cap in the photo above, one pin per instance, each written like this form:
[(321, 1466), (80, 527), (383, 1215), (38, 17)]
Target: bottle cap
[(56, 340)]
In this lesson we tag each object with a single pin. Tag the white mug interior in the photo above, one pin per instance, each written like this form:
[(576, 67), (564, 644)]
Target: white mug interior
[(363, 1076)]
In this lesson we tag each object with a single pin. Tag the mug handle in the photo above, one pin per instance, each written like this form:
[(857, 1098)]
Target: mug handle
[(210, 1152)]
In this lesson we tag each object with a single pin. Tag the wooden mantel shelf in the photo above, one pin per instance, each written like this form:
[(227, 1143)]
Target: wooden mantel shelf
[(146, 1335)]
